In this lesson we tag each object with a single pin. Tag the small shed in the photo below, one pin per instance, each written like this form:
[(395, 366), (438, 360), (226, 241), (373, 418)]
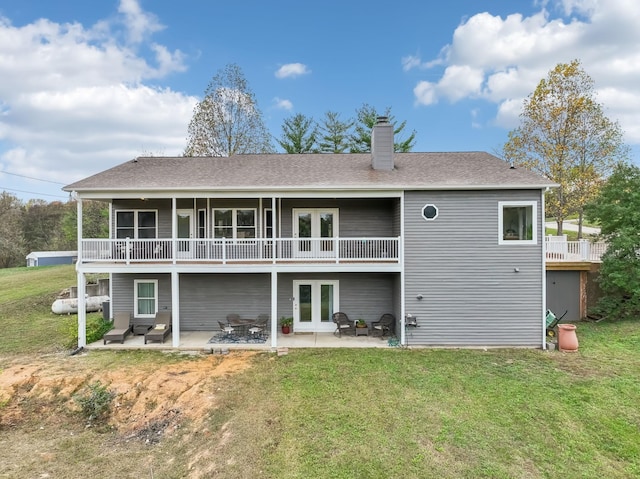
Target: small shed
[(50, 258)]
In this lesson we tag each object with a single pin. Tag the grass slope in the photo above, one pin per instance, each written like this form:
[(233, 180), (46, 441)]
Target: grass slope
[(26, 295), (343, 413)]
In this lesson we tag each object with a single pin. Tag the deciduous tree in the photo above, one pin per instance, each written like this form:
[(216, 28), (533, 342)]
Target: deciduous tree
[(227, 121), (565, 136), (617, 209), (12, 247)]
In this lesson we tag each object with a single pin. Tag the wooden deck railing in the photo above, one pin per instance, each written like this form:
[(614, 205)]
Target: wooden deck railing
[(241, 250)]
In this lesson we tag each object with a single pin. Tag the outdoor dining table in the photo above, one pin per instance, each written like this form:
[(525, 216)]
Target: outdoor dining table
[(242, 325)]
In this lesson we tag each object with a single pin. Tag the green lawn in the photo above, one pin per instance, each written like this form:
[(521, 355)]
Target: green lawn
[(26, 295), (315, 413), (443, 413)]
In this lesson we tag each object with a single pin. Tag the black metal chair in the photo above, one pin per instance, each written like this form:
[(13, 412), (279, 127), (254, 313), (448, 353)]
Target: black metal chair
[(259, 327), (385, 325), (343, 324), (227, 329)]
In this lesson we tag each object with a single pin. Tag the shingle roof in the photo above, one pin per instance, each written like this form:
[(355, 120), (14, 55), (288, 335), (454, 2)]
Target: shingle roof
[(451, 170)]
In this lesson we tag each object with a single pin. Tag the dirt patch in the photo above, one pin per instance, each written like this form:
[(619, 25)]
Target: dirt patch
[(150, 400)]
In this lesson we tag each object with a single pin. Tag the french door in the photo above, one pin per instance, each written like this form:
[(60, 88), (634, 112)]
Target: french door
[(314, 231), (314, 302), (184, 219)]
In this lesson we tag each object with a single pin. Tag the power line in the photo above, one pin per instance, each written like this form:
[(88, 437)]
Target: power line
[(32, 192), (32, 178)]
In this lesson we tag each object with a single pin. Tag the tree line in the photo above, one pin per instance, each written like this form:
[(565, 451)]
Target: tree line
[(36, 225), (227, 121)]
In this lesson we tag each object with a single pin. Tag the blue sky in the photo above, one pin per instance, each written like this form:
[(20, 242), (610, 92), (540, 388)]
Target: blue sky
[(85, 86)]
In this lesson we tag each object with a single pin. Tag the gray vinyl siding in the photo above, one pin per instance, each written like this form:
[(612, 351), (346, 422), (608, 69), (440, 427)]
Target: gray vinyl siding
[(357, 217), (472, 295), (163, 207), (367, 296), (375, 217), (206, 299), (122, 286)]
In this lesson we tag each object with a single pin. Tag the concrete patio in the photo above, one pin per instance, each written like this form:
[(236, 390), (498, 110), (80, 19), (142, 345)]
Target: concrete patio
[(198, 341)]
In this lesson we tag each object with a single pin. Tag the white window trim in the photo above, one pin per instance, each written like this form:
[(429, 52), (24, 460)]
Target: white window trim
[(315, 220), (264, 223), (234, 222), (201, 226), (534, 222), (434, 207), (135, 297), (135, 220)]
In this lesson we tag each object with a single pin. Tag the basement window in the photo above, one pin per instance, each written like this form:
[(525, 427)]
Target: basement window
[(145, 297)]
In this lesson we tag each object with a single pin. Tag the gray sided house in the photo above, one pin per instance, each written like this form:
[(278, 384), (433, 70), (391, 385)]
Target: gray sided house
[(451, 244)]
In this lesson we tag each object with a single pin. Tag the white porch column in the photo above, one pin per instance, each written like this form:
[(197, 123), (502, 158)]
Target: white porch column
[(79, 228), (274, 309), (175, 308), (82, 311), (403, 311), (174, 228), (541, 225), (81, 282)]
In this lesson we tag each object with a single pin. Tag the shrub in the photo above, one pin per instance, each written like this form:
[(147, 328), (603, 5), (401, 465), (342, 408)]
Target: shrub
[(95, 404), (96, 327)]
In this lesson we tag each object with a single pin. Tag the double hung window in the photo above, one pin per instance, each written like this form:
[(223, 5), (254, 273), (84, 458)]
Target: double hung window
[(140, 224), (234, 223), (145, 298)]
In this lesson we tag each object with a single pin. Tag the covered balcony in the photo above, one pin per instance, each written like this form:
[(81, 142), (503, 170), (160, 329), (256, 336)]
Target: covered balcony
[(235, 251)]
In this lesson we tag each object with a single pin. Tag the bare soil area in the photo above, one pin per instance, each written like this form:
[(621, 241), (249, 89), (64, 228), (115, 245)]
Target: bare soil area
[(149, 399), (160, 403)]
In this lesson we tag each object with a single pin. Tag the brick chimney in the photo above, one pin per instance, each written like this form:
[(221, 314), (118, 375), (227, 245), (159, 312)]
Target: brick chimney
[(382, 144)]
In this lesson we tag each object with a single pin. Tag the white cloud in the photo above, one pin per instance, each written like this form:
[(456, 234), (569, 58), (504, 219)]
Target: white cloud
[(75, 100), (139, 24), (410, 62), (282, 104), (501, 60), (292, 70)]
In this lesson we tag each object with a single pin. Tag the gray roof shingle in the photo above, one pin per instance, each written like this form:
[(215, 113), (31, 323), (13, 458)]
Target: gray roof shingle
[(451, 170)]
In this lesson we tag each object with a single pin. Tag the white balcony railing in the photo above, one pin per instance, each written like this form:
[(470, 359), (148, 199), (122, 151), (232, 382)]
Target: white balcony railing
[(559, 249), (241, 250)]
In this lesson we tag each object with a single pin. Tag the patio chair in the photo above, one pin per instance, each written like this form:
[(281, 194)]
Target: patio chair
[(259, 326), (385, 325), (233, 318), (228, 330), (121, 327), (343, 324), (161, 327)]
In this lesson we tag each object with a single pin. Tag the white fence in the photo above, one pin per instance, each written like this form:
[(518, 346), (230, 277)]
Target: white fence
[(559, 249), (241, 250)]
